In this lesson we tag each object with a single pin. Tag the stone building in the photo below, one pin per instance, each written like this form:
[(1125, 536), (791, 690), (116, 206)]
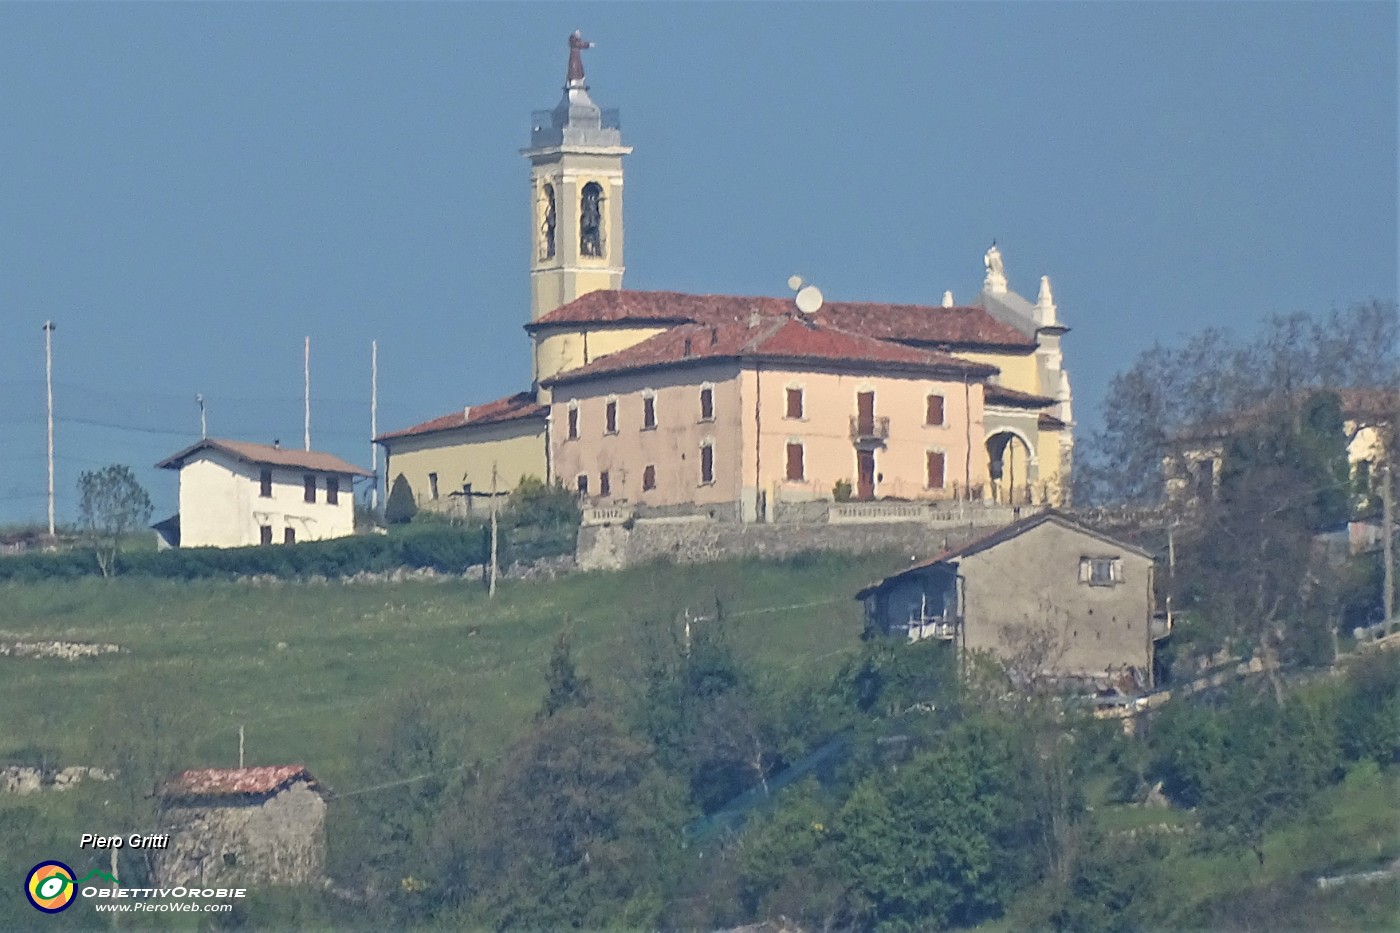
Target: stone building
[(242, 827), (1000, 430), (1045, 594)]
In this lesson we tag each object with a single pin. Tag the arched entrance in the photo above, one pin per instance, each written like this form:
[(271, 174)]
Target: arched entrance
[(1011, 468)]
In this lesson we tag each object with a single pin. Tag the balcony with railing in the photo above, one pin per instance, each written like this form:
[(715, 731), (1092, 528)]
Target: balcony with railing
[(870, 430), (921, 626)]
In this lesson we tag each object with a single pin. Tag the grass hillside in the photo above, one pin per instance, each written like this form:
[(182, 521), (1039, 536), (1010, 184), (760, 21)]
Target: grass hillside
[(301, 666)]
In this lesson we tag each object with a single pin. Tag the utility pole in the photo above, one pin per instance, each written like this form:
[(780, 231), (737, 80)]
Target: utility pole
[(306, 372), (203, 426), (374, 422), (48, 381), (240, 746), (491, 584), (1388, 541)]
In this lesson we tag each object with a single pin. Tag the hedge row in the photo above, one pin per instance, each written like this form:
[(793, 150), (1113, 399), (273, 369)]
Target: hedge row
[(446, 549)]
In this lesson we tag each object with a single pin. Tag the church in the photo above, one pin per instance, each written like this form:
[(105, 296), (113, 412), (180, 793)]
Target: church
[(740, 406)]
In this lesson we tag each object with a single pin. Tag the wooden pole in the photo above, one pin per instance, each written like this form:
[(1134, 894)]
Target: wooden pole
[(374, 422), (491, 585), (306, 374), (1388, 543), (48, 381)]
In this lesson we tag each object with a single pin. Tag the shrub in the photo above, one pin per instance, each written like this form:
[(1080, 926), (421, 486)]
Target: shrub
[(400, 508)]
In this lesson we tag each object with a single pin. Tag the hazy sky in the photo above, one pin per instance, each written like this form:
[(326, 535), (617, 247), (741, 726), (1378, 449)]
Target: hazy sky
[(189, 189)]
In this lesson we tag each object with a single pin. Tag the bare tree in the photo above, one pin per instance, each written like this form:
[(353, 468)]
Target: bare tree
[(111, 506)]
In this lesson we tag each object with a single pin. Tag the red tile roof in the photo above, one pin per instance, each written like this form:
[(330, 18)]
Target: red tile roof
[(266, 454), (1001, 395), (921, 324), (227, 782), (510, 408), (782, 339)]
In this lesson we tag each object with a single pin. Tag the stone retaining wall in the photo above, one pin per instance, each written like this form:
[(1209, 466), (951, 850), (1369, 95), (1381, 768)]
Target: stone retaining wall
[(614, 546)]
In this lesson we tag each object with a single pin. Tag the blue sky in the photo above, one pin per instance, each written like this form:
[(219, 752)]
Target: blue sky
[(189, 189)]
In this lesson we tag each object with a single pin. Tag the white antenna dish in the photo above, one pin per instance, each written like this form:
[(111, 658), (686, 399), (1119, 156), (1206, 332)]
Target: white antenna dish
[(809, 299), (794, 282)]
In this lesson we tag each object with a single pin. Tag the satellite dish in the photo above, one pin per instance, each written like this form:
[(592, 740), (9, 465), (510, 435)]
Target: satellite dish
[(809, 299), (794, 282)]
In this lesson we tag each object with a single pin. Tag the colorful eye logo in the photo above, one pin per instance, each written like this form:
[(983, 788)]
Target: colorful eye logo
[(50, 887)]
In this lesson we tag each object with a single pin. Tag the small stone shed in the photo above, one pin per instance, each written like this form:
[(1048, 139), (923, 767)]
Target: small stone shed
[(242, 827), (1047, 593)]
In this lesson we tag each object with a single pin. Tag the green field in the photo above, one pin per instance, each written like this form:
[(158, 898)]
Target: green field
[(303, 666)]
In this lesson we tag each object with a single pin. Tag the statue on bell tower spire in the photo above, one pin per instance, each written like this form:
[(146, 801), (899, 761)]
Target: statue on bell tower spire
[(577, 43)]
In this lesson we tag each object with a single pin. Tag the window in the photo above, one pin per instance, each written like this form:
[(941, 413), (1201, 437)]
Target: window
[(934, 415), (648, 412), (794, 462), (432, 486), (231, 859), (573, 421), (707, 464), (332, 490), (936, 469), (648, 477), (265, 534), (289, 536), (308, 483), (583, 484), (1100, 571), (610, 417), (707, 404), (266, 479), (590, 225), (794, 404), (547, 223), (604, 484)]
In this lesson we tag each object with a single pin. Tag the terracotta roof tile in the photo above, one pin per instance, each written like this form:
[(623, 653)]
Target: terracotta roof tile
[(1001, 395), (266, 454), (227, 782), (779, 338), (510, 408), (922, 324)]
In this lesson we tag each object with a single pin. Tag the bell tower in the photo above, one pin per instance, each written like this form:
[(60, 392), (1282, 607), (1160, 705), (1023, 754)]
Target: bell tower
[(575, 158)]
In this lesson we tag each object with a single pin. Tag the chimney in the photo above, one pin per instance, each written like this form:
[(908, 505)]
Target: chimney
[(277, 443), (466, 413), (948, 299)]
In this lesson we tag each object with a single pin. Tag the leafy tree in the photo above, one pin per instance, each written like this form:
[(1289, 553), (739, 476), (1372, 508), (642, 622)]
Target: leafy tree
[(400, 507), (536, 503), (786, 864), (1369, 712), (580, 828), (565, 687), (111, 505), (1151, 407), (941, 842)]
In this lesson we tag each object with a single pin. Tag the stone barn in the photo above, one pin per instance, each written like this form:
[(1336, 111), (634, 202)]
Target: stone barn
[(1046, 595), (242, 827)]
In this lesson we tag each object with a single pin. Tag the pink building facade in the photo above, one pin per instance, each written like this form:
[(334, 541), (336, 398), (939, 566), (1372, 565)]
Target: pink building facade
[(780, 411)]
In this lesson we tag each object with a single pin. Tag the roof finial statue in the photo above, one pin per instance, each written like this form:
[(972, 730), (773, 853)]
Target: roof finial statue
[(1045, 304), (995, 282), (577, 43)]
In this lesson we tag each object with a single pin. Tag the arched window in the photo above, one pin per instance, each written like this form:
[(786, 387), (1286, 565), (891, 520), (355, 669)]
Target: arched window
[(590, 224), (547, 221)]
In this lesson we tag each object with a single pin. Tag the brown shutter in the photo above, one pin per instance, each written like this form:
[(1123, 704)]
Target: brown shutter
[(707, 464), (649, 477), (648, 412), (936, 460), (935, 410), (794, 462), (794, 403), (573, 423)]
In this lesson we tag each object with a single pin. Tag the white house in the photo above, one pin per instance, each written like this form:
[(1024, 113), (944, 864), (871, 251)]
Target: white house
[(233, 493)]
